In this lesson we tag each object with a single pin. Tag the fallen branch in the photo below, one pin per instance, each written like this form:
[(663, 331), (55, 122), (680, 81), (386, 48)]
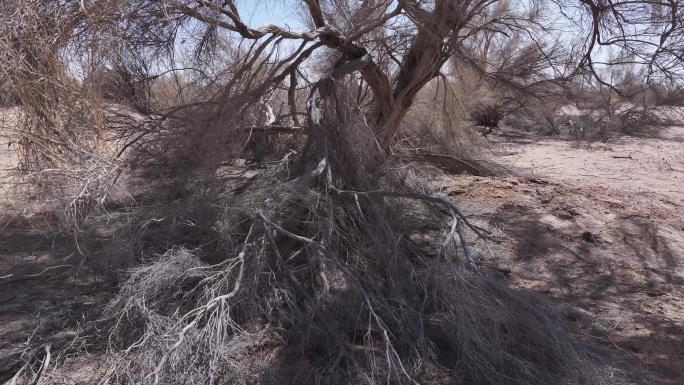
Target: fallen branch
[(51, 340), (315, 305), (450, 163), (29, 276), (410, 195), (14, 379), (201, 311), (458, 218), (43, 367), (466, 249)]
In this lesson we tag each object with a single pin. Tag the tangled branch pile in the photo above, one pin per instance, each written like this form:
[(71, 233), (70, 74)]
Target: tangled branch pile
[(329, 288)]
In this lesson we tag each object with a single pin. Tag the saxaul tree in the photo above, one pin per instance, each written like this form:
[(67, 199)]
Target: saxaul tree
[(318, 279), (390, 49), (395, 47)]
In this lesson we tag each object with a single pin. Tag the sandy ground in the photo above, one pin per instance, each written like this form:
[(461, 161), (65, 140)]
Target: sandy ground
[(640, 167), (598, 230)]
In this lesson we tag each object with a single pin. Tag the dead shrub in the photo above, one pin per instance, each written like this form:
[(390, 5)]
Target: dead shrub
[(57, 128), (347, 298)]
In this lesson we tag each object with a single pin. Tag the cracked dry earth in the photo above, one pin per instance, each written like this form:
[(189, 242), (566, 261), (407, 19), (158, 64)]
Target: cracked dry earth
[(599, 231)]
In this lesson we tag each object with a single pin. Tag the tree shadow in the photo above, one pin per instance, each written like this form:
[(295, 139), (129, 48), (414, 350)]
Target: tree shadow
[(44, 287), (626, 283)]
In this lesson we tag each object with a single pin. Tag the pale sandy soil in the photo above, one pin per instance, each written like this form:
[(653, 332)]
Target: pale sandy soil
[(600, 235), (642, 167)]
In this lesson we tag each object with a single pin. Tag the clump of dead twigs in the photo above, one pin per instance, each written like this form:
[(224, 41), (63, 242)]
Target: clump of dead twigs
[(329, 288)]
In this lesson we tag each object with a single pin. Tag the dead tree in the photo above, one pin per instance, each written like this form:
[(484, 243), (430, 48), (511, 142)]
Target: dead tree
[(336, 220)]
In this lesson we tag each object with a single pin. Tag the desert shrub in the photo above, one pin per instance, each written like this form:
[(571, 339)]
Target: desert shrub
[(359, 302), (538, 116), (57, 129), (488, 116)]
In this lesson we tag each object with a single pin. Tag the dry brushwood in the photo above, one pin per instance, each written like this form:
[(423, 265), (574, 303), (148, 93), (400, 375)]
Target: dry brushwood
[(28, 352), (11, 278), (450, 313), (38, 377)]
